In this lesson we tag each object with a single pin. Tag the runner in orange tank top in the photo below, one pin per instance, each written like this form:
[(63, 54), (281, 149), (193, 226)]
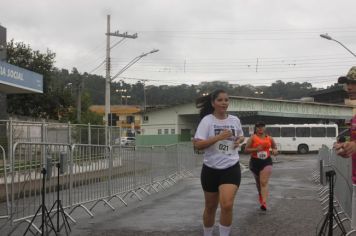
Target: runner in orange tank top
[(259, 146)]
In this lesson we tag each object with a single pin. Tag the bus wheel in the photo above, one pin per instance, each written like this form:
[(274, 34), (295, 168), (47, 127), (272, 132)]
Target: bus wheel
[(303, 149)]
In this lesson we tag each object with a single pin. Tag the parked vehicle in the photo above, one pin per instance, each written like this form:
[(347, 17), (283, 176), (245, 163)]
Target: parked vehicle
[(301, 138), (126, 141)]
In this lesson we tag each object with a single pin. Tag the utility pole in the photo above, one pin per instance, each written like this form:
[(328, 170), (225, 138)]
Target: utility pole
[(79, 98), (144, 94), (108, 66)]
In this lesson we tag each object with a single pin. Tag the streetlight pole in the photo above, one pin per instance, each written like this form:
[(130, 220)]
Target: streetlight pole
[(328, 37), (133, 61), (259, 92), (126, 97), (144, 97), (121, 91)]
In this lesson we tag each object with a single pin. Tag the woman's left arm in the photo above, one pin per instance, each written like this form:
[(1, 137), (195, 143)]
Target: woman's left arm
[(239, 140), (274, 147)]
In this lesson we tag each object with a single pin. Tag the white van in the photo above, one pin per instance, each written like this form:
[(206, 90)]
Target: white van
[(127, 141), (301, 138)]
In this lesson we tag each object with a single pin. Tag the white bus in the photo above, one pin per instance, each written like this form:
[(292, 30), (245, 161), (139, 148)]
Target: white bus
[(301, 138)]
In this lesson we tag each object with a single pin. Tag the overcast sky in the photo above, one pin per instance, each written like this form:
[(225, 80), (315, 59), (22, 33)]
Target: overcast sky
[(240, 41)]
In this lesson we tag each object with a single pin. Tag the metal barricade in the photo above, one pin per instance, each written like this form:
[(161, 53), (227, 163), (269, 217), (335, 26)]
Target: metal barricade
[(91, 167), (143, 170), (123, 171), (4, 190), (164, 160), (343, 183), (28, 161), (343, 201), (188, 159), (88, 173)]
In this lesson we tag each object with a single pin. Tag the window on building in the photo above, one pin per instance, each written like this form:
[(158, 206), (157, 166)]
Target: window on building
[(173, 131), (130, 119), (246, 131), (166, 131), (145, 118), (159, 131)]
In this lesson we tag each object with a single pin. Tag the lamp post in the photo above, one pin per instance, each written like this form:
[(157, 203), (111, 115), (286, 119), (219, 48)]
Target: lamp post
[(328, 37), (131, 63), (69, 85), (126, 97), (121, 91), (258, 93)]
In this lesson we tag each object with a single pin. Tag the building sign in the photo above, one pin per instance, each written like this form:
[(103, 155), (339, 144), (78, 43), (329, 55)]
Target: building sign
[(14, 79)]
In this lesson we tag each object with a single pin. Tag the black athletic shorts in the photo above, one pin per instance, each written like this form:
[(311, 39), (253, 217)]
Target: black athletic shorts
[(211, 178), (256, 165)]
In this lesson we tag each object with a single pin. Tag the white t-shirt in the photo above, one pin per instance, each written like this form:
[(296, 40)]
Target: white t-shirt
[(222, 154)]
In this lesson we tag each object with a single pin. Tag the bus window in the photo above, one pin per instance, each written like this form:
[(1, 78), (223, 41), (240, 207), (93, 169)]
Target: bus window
[(288, 132), (273, 131), (331, 132), (246, 131), (318, 132), (302, 132)]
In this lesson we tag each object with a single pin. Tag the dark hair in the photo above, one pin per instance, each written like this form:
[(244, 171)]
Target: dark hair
[(204, 103), (260, 123)]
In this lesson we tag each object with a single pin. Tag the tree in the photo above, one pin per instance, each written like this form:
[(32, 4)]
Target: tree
[(46, 105), (289, 90)]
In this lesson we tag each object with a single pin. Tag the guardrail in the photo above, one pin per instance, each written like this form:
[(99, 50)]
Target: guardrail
[(342, 193), (4, 208), (88, 174)]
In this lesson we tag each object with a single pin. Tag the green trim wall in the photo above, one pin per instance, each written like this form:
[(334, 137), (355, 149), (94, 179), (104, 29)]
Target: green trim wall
[(163, 139)]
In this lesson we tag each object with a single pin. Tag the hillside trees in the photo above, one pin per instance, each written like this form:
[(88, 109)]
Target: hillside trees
[(61, 88)]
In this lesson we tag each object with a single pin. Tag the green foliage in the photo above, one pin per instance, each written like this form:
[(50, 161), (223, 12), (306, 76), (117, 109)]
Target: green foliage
[(47, 105), (289, 90)]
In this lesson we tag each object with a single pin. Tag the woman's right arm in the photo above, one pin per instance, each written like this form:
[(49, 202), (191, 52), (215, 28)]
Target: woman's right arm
[(249, 149), (202, 144)]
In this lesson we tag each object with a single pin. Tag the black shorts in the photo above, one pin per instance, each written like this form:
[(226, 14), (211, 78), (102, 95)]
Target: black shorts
[(256, 165), (211, 178)]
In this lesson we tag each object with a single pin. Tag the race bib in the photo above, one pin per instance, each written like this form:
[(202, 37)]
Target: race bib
[(225, 147), (262, 155)]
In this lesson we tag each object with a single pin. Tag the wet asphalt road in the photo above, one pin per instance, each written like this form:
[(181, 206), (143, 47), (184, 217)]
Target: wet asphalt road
[(294, 208)]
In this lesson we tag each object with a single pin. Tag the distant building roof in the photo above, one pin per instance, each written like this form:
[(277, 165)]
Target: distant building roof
[(118, 109), (335, 94)]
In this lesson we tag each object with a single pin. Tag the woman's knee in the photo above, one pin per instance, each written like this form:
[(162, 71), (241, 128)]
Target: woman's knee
[(264, 183), (210, 210), (226, 205), (211, 206)]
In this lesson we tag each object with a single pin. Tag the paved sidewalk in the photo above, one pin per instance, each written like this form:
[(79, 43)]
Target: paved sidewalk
[(293, 207)]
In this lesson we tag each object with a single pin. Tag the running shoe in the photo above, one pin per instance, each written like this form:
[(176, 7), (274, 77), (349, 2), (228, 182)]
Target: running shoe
[(263, 206), (260, 199)]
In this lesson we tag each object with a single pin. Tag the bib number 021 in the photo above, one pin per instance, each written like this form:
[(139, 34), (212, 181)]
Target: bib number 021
[(226, 147), (223, 147)]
